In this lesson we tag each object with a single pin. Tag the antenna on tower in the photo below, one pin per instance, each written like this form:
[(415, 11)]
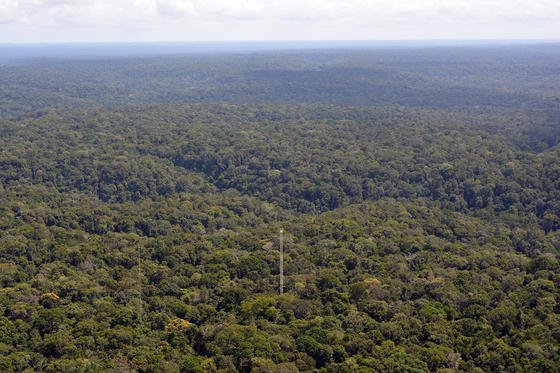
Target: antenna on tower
[(281, 261)]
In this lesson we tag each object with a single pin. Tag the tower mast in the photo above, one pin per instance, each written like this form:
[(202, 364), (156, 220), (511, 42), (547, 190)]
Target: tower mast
[(281, 261)]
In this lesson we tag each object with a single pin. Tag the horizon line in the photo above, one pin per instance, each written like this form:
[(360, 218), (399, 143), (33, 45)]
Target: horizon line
[(272, 41)]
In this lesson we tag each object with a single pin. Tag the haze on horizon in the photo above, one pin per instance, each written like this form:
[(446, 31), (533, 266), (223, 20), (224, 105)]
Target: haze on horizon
[(46, 21)]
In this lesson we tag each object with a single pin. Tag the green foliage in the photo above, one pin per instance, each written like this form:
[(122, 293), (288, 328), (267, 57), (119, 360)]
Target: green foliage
[(418, 238)]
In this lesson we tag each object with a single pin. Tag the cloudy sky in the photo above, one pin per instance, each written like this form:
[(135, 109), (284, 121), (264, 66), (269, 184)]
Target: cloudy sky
[(200, 20)]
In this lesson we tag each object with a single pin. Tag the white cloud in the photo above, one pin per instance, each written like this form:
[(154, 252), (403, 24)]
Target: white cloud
[(35, 20), (175, 8), (8, 10)]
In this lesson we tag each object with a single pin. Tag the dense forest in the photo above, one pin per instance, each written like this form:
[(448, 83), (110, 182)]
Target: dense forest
[(418, 190)]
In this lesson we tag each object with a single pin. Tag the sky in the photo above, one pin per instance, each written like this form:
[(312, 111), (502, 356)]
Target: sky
[(44, 21)]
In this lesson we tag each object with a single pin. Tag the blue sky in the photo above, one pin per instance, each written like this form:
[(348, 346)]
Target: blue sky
[(200, 20)]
